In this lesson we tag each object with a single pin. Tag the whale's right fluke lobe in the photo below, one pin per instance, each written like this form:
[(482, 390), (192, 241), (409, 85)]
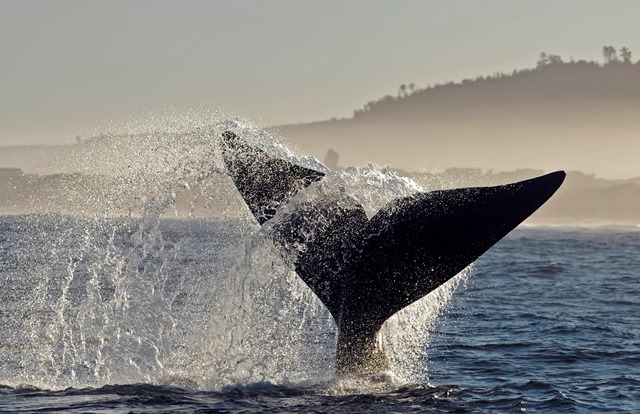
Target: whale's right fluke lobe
[(415, 244), (365, 271)]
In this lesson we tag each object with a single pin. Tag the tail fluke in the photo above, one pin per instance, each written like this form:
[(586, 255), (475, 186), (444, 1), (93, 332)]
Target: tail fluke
[(365, 271)]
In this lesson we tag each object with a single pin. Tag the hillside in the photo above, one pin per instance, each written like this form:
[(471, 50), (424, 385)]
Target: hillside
[(573, 115)]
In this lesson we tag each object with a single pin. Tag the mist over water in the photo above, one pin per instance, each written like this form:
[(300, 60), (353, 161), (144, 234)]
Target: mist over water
[(132, 282)]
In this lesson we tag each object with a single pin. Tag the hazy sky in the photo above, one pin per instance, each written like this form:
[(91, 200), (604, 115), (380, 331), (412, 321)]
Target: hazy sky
[(70, 64)]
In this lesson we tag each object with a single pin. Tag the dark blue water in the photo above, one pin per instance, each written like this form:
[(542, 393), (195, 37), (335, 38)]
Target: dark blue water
[(547, 322)]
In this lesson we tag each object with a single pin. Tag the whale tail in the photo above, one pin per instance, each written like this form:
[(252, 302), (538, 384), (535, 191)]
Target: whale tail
[(365, 270)]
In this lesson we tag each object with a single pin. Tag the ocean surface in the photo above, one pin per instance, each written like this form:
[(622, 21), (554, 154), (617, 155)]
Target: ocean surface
[(195, 315)]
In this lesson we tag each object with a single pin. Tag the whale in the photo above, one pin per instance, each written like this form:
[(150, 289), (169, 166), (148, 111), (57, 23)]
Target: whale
[(362, 269)]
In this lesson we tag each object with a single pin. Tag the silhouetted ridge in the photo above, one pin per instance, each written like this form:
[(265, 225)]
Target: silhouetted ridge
[(550, 80)]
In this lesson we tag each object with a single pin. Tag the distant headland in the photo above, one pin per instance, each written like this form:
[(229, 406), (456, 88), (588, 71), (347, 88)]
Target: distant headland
[(560, 114)]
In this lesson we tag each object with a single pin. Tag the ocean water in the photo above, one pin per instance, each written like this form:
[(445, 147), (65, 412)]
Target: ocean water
[(546, 321), (125, 293)]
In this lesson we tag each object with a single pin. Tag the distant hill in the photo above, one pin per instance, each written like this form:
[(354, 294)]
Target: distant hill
[(575, 115)]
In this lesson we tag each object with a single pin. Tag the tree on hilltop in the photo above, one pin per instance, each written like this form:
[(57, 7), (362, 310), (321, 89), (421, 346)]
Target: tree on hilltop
[(625, 54), (610, 54), (548, 59)]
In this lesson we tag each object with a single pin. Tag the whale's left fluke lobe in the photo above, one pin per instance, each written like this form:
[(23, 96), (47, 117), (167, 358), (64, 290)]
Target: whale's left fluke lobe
[(364, 271), (264, 182)]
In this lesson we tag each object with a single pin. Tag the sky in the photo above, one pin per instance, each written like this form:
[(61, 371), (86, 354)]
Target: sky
[(69, 66)]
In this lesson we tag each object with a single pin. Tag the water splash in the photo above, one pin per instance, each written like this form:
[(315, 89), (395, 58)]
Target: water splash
[(146, 267), (408, 333)]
